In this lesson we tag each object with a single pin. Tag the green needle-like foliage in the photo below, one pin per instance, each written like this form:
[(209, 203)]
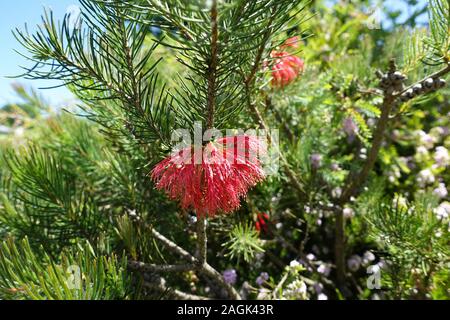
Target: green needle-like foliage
[(78, 275), (103, 57), (243, 243), (439, 39)]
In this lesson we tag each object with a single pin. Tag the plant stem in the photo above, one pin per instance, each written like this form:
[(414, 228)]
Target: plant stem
[(172, 246), (435, 75), (154, 268), (339, 247), (201, 239), (354, 183), (212, 68), (279, 286), (249, 80), (249, 84), (204, 268), (357, 179), (160, 285)]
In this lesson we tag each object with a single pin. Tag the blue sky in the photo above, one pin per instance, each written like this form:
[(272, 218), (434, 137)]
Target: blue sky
[(15, 13)]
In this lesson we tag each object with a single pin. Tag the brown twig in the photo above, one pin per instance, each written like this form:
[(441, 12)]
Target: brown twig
[(357, 179), (172, 246), (248, 83), (201, 239), (262, 124), (212, 68), (155, 268), (204, 268), (339, 247), (160, 285), (435, 75)]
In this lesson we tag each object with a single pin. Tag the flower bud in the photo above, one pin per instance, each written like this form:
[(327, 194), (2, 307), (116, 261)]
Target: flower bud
[(417, 89)]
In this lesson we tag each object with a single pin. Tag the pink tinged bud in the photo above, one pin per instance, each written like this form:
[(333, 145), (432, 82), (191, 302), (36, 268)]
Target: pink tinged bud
[(354, 263), (230, 276), (425, 177), (443, 210), (350, 127), (441, 191), (348, 213), (316, 161)]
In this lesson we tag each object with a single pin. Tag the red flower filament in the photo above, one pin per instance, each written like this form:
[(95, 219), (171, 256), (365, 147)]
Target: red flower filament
[(212, 181), (287, 67)]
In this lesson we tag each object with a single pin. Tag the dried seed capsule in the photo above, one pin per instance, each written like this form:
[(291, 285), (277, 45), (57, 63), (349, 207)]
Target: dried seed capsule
[(399, 86), (410, 93), (417, 89), (389, 90), (428, 83), (397, 76), (440, 83), (404, 97), (385, 81), (437, 83)]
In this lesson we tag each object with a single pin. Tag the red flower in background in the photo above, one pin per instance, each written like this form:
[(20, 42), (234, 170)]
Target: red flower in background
[(287, 67), (261, 224), (213, 184)]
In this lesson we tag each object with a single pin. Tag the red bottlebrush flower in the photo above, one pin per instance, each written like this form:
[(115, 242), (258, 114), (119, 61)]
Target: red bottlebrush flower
[(214, 181), (293, 42), (286, 68), (262, 220)]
